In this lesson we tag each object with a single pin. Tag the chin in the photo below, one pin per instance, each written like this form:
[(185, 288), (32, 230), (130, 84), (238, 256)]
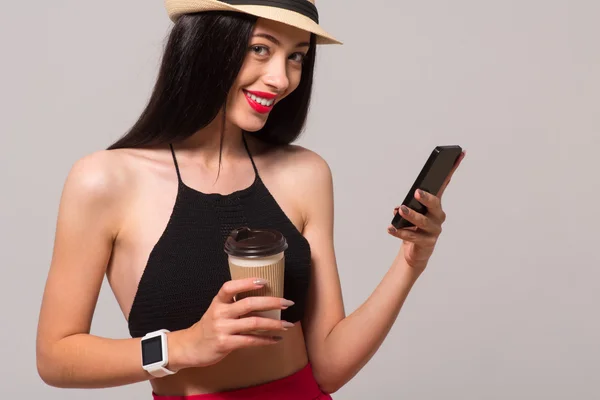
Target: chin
[(249, 123)]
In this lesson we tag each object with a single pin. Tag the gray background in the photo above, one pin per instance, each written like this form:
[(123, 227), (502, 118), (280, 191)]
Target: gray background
[(508, 307)]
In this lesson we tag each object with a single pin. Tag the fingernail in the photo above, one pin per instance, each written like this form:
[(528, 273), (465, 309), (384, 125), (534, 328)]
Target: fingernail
[(287, 303), (260, 282), (421, 193), (392, 229), (405, 209), (287, 324)]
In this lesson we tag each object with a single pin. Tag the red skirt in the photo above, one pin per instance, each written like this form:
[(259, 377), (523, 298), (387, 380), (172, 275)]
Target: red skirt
[(298, 386)]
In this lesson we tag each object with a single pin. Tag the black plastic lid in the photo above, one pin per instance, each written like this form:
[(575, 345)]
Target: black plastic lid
[(246, 242)]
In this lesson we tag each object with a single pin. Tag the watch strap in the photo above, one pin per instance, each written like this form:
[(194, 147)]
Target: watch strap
[(159, 372)]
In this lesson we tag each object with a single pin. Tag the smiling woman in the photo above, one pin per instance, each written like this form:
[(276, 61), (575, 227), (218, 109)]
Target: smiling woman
[(232, 94), (275, 60), (191, 66), (263, 102)]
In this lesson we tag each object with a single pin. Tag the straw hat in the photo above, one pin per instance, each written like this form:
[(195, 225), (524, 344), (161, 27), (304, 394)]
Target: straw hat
[(299, 13)]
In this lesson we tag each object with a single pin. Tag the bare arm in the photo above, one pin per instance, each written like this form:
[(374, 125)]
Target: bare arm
[(340, 346), (88, 220)]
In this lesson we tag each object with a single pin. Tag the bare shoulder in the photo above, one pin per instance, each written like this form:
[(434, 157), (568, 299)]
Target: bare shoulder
[(301, 166), (310, 172), (305, 158), (99, 176), (302, 176), (99, 185)]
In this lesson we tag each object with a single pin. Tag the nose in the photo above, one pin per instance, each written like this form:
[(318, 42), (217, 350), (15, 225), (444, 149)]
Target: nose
[(276, 75)]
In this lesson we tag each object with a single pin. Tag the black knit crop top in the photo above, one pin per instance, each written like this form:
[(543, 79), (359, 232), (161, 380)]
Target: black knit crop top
[(187, 266)]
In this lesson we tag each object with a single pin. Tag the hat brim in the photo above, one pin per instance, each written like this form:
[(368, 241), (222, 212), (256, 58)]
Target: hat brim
[(176, 8)]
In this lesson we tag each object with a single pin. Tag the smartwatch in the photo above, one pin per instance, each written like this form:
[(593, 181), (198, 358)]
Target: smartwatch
[(155, 355)]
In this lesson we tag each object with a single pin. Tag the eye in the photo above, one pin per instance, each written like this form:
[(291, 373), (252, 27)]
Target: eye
[(260, 50), (298, 57)]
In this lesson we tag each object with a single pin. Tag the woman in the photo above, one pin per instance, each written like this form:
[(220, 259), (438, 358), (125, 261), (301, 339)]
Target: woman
[(211, 152)]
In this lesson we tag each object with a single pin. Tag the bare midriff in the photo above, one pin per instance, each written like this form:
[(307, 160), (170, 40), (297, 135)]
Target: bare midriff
[(241, 368)]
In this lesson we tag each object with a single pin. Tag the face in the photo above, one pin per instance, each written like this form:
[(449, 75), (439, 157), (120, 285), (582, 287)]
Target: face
[(271, 71)]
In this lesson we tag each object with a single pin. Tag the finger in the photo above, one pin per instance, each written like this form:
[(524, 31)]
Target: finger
[(249, 324), (233, 287), (420, 221), (256, 303), (433, 204), (449, 178), (240, 341), (416, 237)]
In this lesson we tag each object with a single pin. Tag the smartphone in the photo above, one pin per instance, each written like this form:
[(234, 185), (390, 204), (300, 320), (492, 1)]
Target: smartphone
[(432, 177)]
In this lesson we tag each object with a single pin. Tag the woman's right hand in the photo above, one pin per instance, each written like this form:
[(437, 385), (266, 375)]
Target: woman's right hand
[(225, 327)]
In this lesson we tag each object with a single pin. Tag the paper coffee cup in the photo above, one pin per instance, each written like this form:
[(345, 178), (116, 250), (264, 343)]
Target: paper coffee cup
[(258, 253)]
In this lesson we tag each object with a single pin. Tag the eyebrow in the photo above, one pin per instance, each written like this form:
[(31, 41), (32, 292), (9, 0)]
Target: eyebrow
[(277, 42)]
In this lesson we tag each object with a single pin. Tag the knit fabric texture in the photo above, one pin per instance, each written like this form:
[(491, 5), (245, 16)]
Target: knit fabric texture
[(187, 266)]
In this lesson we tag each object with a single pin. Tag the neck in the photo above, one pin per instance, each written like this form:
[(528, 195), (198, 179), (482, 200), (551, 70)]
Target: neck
[(212, 142)]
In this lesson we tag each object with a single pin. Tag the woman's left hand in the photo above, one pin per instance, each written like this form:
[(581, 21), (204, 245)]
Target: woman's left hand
[(419, 241)]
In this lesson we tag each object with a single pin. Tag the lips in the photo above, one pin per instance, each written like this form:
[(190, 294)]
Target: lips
[(260, 102), (264, 95)]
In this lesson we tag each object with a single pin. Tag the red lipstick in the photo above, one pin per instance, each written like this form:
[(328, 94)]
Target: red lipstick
[(257, 106), (264, 95)]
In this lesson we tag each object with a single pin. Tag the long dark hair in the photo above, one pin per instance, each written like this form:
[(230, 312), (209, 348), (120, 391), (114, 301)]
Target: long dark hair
[(202, 58)]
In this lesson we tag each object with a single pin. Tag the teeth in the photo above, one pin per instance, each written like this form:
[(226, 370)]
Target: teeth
[(260, 100)]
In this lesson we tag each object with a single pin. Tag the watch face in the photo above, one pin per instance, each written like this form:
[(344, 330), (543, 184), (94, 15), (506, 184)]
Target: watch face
[(152, 350)]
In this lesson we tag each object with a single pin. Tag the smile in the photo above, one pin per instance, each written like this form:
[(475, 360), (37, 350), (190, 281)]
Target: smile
[(259, 101)]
